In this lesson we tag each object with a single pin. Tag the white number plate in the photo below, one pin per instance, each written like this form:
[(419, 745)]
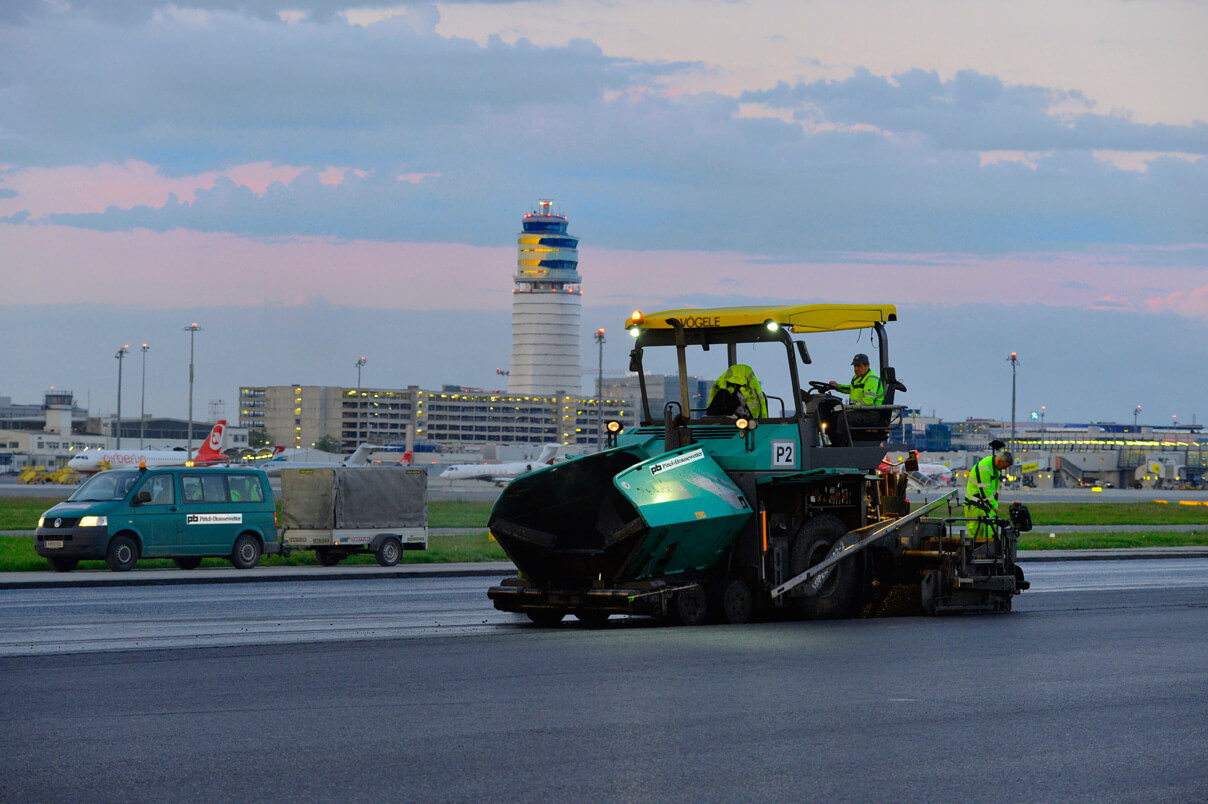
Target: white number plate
[(57, 544), (784, 454)]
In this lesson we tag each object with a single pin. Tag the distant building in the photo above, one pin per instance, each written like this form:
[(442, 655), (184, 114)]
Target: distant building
[(298, 416)]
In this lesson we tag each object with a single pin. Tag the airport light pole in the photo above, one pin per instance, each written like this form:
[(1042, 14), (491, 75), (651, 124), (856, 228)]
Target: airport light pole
[(1136, 413), (600, 389), (121, 353), (357, 440), (191, 329), (1014, 361), (142, 405)]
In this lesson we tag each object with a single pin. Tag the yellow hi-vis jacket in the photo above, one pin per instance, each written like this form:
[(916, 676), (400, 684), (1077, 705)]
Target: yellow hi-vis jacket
[(866, 390), (983, 483), (740, 379)]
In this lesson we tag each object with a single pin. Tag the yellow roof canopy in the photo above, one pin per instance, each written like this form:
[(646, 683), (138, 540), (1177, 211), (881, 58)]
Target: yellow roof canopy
[(795, 318)]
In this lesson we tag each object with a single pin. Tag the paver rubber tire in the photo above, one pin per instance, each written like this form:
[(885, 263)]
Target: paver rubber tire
[(389, 552), (122, 554), (738, 604), (187, 562), (546, 618), (246, 553), (691, 606), (838, 594), (61, 564)]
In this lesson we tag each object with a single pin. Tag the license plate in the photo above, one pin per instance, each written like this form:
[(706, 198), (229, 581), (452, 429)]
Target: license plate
[(56, 544)]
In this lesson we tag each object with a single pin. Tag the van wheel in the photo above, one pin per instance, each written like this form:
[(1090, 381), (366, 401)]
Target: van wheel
[(246, 553), (327, 557), (389, 552), (122, 554), (60, 564), (837, 595), (187, 562)]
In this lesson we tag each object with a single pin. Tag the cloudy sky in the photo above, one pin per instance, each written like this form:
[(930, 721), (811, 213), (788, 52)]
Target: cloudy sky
[(312, 181)]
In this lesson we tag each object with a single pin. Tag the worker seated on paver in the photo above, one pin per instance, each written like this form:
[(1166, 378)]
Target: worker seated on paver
[(737, 393)]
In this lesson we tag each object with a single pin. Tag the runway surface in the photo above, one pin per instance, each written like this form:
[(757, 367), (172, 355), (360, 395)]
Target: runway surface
[(1095, 689)]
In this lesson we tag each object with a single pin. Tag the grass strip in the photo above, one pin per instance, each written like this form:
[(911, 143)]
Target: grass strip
[(21, 513), (17, 555), (1090, 540), (1141, 513)]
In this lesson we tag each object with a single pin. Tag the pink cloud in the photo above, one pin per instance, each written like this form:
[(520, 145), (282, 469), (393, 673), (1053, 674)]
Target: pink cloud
[(93, 188), (1192, 303), (56, 264)]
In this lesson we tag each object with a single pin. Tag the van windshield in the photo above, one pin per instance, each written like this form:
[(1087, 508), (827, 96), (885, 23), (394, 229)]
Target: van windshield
[(111, 485)]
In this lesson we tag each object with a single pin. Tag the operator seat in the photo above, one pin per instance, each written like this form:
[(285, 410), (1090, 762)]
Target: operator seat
[(737, 393)]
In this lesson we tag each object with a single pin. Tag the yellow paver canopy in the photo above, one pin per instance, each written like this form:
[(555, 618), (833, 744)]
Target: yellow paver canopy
[(795, 318)]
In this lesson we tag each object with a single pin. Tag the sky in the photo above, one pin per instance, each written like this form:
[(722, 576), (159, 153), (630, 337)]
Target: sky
[(312, 182)]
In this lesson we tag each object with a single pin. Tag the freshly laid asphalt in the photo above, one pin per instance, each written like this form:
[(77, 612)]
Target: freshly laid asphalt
[(150, 577)]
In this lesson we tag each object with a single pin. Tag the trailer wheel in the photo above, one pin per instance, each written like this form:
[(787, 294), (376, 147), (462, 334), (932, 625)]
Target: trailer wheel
[(837, 596), (327, 557), (691, 606), (187, 562), (389, 552), (61, 564), (737, 602), (122, 554), (546, 618)]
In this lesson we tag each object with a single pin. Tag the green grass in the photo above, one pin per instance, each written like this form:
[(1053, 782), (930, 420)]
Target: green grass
[(21, 513), (1143, 513), (1147, 513), (17, 555), (1099, 541)]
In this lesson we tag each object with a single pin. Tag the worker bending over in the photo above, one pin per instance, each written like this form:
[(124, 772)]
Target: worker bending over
[(984, 480)]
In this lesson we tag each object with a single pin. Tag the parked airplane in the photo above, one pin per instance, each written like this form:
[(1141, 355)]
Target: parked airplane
[(359, 457), (210, 452), (499, 473), (921, 475)]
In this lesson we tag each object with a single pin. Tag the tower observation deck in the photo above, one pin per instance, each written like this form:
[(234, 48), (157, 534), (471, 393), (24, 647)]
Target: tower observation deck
[(545, 307)]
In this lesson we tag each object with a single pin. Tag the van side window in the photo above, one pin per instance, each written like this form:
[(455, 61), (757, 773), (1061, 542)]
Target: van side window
[(245, 489), (162, 490), (203, 488), (190, 486), (213, 489)]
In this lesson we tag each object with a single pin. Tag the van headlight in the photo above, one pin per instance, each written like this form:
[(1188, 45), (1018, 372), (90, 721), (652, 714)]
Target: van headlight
[(41, 521), (94, 522)]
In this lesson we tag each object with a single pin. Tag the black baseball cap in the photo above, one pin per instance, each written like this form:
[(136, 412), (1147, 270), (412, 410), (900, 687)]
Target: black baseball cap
[(860, 360)]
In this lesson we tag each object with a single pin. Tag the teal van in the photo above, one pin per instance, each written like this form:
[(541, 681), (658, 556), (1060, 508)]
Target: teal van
[(177, 512)]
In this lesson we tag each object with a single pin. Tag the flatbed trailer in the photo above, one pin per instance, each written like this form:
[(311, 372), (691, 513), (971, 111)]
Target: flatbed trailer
[(346, 510)]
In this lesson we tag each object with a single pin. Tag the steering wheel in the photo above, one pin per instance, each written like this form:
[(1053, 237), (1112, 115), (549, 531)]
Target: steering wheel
[(821, 387)]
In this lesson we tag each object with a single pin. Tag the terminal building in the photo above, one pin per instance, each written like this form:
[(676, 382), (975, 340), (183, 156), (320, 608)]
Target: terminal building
[(451, 419)]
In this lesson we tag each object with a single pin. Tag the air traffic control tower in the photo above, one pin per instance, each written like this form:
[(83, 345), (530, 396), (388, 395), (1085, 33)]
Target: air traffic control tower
[(545, 308)]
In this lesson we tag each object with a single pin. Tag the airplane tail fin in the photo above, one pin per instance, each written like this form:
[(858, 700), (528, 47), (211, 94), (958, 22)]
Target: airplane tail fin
[(549, 454), (211, 448), (277, 450), (408, 456), (360, 456)]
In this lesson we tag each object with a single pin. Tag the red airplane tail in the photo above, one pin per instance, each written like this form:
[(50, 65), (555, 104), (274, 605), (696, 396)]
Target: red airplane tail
[(407, 457), (211, 448)]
